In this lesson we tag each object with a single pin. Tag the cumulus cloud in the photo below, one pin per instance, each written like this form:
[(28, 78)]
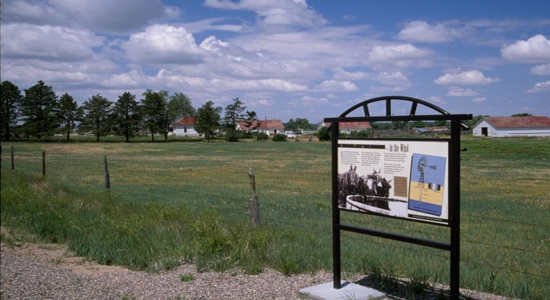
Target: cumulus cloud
[(473, 77), (47, 42), (163, 44), (460, 92), (479, 99), (541, 69), (402, 56), (114, 16), (422, 31), (99, 15), (275, 13), (541, 87), (332, 85), (534, 50)]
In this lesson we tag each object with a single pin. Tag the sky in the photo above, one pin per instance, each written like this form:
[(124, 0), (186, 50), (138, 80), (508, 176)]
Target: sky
[(287, 58)]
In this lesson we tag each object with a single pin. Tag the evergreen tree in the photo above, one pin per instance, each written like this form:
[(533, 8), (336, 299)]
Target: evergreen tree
[(154, 110), (126, 115), (207, 120), (68, 114), (38, 110), (9, 110), (96, 111), (233, 114)]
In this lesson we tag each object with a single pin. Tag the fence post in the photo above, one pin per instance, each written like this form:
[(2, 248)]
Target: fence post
[(43, 163), (12, 158), (254, 201), (107, 178)]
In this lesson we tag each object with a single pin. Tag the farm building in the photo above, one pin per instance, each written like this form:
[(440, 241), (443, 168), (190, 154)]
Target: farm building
[(269, 127), (185, 127), (512, 126), (347, 127)]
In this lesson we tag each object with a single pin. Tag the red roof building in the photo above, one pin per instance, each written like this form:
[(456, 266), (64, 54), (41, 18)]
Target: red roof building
[(348, 127), (268, 127), (512, 126), (185, 127)]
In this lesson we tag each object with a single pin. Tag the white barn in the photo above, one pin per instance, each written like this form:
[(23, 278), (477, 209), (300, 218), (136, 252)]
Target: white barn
[(185, 127), (512, 126)]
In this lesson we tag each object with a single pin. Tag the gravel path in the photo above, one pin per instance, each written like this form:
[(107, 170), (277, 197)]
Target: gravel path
[(28, 275), (31, 271)]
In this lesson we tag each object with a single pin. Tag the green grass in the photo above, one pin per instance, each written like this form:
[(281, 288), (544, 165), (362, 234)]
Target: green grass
[(178, 202)]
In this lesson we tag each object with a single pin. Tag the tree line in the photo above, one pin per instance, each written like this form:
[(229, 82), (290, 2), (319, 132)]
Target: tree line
[(39, 113)]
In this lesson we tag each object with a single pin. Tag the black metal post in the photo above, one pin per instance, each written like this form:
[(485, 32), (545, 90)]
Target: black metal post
[(336, 255), (454, 213), (43, 163), (12, 158), (107, 177)]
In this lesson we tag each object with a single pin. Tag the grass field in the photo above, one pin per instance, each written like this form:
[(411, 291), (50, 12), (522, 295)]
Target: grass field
[(188, 201)]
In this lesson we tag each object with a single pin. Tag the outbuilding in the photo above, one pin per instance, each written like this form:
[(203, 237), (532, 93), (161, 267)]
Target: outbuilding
[(512, 126), (269, 127), (185, 127)]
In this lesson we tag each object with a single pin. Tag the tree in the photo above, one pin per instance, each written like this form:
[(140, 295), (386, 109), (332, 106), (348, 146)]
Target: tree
[(125, 117), (251, 121), (522, 115), (233, 114), (291, 125), (180, 107), (96, 112), (154, 110), (323, 134), (68, 114), (38, 110), (9, 110), (207, 120)]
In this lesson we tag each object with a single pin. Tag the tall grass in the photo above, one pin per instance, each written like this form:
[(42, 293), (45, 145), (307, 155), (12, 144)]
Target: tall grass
[(188, 202)]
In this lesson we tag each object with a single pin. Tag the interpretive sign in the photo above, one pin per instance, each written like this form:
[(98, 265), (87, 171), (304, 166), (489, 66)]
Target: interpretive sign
[(396, 178), (414, 179)]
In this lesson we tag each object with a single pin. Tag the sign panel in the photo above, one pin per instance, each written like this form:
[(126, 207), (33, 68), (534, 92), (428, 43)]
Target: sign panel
[(398, 178)]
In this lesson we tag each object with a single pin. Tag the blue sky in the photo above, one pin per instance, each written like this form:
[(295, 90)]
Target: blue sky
[(288, 58)]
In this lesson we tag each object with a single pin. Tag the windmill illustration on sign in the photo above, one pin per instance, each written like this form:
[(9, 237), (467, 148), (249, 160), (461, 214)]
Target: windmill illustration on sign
[(422, 165)]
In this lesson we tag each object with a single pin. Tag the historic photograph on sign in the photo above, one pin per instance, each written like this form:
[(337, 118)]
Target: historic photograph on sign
[(404, 179)]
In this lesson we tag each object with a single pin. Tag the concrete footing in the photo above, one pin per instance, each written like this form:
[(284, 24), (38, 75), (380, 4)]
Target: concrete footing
[(349, 290)]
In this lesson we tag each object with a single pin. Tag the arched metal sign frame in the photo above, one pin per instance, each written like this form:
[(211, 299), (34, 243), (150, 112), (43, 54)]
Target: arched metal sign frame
[(453, 173)]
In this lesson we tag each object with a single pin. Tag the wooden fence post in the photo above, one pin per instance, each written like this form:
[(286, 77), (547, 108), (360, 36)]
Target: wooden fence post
[(107, 178), (254, 201), (43, 163), (12, 158)]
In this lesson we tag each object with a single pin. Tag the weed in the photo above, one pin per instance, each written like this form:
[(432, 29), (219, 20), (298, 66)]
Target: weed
[(128, 297), (187, 277)]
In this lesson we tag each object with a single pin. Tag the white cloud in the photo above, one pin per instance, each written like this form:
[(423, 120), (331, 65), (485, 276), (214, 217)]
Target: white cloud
[(541, 69), (34, 12), (534, 50), (275, 13), (460, 92), (163, 44), (391, 78), (309, 101), (421, 31), (479, 99), (473, 77), (114, 16), (541, 87), (47, 42), (332, 85), (401, 56)]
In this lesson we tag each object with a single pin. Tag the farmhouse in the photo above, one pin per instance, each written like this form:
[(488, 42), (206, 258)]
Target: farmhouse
[(269, 127), (512, 126), (347, 127), (185, 127)]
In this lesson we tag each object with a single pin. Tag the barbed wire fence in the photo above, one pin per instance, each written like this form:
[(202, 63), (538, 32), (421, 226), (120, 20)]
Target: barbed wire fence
[(239, 206)]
